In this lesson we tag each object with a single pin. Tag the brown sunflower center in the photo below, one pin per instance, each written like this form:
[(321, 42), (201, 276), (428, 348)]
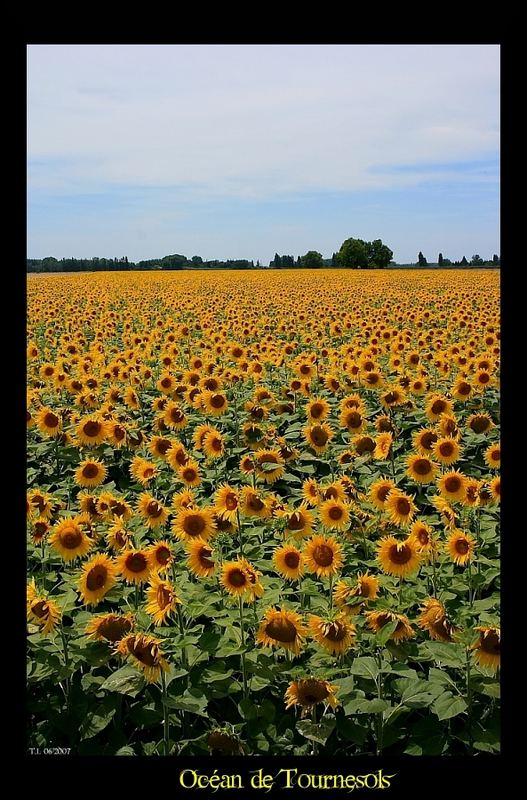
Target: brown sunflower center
[(96, 577), (166, 383), (153, 509), (318, 436), (51, 420), (400, 554), (40, 609), (438, 407), (162, 446), (145, 652), (189, 475), (119, 432), (479, 424), (292, 559), (334, 631), (490, 643), (295, 521), (453, 484), (114, 628), (382, 493), (176, 415), (311, 692), (464, 388), (336, 513), (282, 630), (71, 538), (316, 410), (204, 557), (423, 536), (422, 466), (231, 501), (217, 401), (136, 562), (462, 547), (446, 448), (323, 555), (365, 445), (91, 429), (162, 555), (237, 578), (403, 506), (255, 504), (194, 525), (428, 439), (90, 470)]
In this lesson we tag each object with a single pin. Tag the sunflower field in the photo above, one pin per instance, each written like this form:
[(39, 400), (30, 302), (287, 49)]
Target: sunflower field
[(263, 512)]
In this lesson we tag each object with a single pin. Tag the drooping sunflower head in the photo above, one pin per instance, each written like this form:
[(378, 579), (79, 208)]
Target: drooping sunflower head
[(253, 504), (376, 620), (299, 523), (44, 612), (282, 628), (110, 627), (145, 652), (334, 635), (309, 692), (487, 647), (433, 618)]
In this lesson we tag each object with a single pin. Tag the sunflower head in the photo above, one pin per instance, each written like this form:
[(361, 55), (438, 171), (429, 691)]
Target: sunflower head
[(309, 692), (282, 628)]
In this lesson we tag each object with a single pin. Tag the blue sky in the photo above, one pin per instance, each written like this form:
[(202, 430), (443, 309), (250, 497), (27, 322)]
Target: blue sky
[(238, 151)]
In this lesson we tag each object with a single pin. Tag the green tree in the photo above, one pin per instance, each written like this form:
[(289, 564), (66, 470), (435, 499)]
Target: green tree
[(379, 255), (312, 260), (353, 254), (476, 260), (421, 260), (463, 262), (440, 260)]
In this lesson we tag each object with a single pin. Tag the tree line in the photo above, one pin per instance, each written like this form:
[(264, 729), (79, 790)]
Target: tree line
[(353, 254)]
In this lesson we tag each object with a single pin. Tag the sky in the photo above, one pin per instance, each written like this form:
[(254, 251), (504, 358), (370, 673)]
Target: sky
[(241, 151)]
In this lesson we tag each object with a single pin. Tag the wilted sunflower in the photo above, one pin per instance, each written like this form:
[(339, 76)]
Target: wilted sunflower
[(194, 523), (400, 507), (492, 456), (309, 692), (109, 627), (487, 648), (222, 741), (144, 651), (318, 436), (133, 565), (398, 558), (379, 491), (460, 547), (200, 561), (98, 577), (421, 469), (452, 486), (160, 556), (334, 514), (335, 635), (43, 612), (161, 599), (323, 555), (282, 628), (90, 472), (152, 511), (448, 515), (376, 620), (288, 562), (433, 618), (69, 539)]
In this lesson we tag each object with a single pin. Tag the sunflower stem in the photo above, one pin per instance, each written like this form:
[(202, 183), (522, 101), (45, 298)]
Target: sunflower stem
[(136, 596), (240, 534), (166, 738), (242, 658), (331, 593), (470, 594), (66, 664), (401, 581), (469, 706), (380, 696), (182, 632), (314, 752)]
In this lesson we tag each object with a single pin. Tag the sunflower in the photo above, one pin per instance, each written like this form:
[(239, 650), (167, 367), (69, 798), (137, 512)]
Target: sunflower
[(253, 504), (161, 600), (323, 555), (492, 456), (246, 465), (282, 628), (152, 511), (159, 446), (480, 423), (309, 692), (131, 399), (254, 587), (299, 522), (483, 380), (91, 431), (460, 547), (269, 465), (90, 472), (310, 492), (235, 579), (288, 562), (435, 406), (43, 612), (185, 499), (189, 473), (160, 556), (447, 450), (174, 417), (421, 469), (213, 444), (39, 529), (495, 488), (461, 390), (318, 436), (200, 561), (398, 558), (379, 491), (226, 502), (487, 647), (69, 540), (334, 514), (376, 620), (383, 424), (452, 486), (142, 470), (424, 539), (336, 635), (317, 409), (117, 536), (134, 565), (214, 403), (446, 512), (194, 523), (434, 619), (400, 507), (117, 433), (48, 421), (109, 627), (166, 383), (392, 396), (383, 443), (145, 652), (98, 577), (424, 440), (350, 599)]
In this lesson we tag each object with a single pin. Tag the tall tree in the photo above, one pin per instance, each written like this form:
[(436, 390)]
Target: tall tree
[(440, 260), (353, 253), (312, 260), (421, 260)]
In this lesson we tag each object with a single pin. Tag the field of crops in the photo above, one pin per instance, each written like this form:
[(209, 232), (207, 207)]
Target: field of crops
[(263, 512)]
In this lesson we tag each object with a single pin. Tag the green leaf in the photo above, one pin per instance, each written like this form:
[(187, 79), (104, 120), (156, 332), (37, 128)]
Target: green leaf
[(417, 693), (446, 706), (366, 667), (192, 700), (96, 721), (452, 655), (316, 732), (247, 709), (385, 632), (125, 681)]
